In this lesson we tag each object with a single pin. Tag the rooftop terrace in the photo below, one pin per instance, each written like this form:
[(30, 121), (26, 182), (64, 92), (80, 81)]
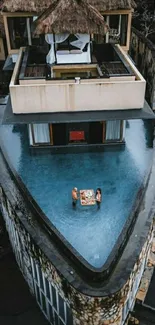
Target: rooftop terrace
[(104, 84)]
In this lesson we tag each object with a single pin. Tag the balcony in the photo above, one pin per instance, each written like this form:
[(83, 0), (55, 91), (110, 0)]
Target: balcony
[(110, 82)]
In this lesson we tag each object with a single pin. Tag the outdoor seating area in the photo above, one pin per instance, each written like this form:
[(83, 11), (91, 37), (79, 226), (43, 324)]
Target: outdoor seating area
[(60, 92), (106, 62)]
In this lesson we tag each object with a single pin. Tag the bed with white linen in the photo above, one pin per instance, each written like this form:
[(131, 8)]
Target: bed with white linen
[(77, 55), (73, 56)]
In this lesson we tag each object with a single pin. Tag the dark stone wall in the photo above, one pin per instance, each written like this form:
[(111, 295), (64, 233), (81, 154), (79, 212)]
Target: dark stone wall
[(142, 52)]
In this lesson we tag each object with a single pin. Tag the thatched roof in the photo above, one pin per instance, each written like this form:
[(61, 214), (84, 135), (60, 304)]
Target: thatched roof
[(72, 16), (103, 5), (36, 6), (39, 6)]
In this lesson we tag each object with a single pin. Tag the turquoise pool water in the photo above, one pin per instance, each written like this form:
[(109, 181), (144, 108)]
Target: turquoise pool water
[(51, 177)]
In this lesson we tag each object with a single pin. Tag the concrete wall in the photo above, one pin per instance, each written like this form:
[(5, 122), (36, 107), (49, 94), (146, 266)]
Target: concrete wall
[(82, 97), (143, 53)]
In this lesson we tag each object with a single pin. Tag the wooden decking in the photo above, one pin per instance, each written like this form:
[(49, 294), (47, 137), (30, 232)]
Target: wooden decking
[(35, 71), (114, 68)]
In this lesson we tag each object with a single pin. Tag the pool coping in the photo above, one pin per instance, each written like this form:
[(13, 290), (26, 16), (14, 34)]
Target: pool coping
[(89, 272)]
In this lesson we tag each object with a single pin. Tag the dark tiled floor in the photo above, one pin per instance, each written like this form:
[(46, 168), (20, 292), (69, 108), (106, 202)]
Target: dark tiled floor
[(17, 306)]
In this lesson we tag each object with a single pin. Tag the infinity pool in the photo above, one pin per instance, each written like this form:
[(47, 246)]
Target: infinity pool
[(119, 171)]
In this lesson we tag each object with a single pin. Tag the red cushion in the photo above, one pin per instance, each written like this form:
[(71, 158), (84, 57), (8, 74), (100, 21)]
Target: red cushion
[(76, 135)]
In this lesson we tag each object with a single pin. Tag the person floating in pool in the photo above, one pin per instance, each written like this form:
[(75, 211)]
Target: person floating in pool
[(74, 196), (98, 197)]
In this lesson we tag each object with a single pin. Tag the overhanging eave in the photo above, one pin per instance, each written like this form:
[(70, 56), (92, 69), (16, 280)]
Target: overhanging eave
[(76, 117)]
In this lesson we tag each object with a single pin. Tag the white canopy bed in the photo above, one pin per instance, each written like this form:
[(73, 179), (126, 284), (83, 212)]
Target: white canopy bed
[(75, 55)]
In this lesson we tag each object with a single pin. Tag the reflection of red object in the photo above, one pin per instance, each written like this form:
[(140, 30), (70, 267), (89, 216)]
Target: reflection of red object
[(76, 135)]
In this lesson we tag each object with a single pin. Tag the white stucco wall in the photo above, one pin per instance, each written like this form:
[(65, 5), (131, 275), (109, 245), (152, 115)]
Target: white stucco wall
[(65, 97)]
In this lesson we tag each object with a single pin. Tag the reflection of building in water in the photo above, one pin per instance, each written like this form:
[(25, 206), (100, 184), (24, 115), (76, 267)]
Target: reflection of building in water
[(127, 124), (149, 133), (73, 86)]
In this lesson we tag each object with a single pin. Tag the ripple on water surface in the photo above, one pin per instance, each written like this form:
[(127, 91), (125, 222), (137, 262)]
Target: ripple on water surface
[(50, 179)]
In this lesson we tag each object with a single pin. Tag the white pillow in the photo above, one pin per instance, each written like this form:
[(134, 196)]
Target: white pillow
[(75, 51), (62, 52)]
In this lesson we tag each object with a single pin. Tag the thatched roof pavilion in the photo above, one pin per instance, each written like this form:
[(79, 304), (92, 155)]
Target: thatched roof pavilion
[(38, 6), (71, 16)]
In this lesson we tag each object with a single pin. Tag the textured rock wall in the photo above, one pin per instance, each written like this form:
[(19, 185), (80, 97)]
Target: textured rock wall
[(143, 53), (19, 239), (86, 310)]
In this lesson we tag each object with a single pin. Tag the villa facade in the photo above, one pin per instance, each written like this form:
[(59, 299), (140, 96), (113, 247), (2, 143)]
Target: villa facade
[(74, 86), (81, 80)]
